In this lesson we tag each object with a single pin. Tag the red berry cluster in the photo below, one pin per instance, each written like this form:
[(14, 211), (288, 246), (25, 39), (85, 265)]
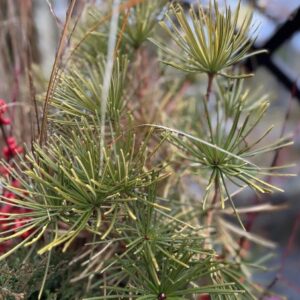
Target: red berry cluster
[(9, 151), (12, 148), (3, 109)]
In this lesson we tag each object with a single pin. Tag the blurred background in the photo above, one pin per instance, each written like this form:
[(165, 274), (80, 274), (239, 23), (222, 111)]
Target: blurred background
[(29, 34)]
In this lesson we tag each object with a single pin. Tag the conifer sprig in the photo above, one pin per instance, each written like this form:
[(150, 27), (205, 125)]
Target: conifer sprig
[(100, 180), (210, 42), (78, 93), (226, 156), (64, 184), (142, 20)]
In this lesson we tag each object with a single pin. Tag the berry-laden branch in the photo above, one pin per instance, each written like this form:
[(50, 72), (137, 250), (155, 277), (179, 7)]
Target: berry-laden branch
[(10, 151)]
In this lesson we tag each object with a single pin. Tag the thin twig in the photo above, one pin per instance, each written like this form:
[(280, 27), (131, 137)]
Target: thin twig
[(54, 71)]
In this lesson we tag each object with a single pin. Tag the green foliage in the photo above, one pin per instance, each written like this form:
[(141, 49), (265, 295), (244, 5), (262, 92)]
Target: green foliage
[(172, 281), (117, 191), (212, 42), (166, 256), (234, 96), (237, 118), (79, 92), (90, 36), (141, 21), (65, 182)]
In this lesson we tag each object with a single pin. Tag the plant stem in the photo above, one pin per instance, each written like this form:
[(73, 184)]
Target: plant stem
[(209, 86), (214, 201), (210, 213), (207, 96), (217, 185)]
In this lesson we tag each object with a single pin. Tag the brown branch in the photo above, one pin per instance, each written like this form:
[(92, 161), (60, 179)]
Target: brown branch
[(55, 71)]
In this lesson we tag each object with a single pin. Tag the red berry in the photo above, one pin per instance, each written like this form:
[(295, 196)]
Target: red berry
[(25, 234), (18, 150), (2, 248), (6, 208), (6, 152), (5, 121), (9, 195), (3, 106), (11, 141), (16, 183), (18, 223), (12, 148), (3, 109)]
